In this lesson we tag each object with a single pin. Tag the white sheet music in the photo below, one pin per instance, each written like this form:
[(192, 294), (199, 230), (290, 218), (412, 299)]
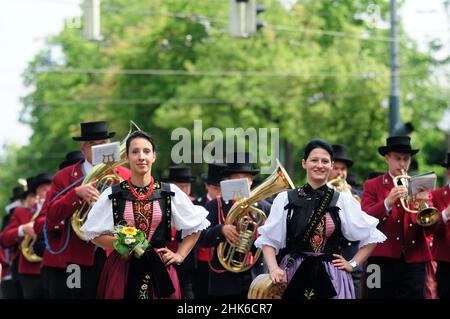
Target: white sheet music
[(422, 182), (235, 189), (105, 153)]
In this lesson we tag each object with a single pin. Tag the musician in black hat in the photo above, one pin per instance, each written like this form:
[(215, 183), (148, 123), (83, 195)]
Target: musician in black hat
[(21, 225), (223, 283), (10, 287), (63, 246), (403, 256), (182, 177), (199, 257)]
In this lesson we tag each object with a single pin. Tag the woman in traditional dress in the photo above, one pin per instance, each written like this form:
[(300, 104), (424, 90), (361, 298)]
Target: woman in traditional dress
[(305, 228), (152, 207)]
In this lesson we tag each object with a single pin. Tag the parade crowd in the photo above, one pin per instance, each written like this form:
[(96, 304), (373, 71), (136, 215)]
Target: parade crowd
[(320, 239)]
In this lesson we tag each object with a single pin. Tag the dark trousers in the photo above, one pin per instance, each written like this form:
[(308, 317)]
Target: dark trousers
[(185, 279), (11, 289), (443, 279), (399, 280), (57, 280), (32, 286), (200, 280)]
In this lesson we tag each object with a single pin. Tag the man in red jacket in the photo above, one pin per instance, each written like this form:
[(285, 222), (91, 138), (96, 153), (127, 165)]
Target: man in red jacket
[(441, 240), (402, 257), (71, 265), (21, 225)]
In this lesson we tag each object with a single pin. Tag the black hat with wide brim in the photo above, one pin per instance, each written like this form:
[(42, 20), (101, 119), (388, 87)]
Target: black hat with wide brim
[(240, 162), (447, 164), (340, 154), (17, 193), (41, 179), (94, 131), (180, 174), (399, 144), (72, 158), (215, 174)]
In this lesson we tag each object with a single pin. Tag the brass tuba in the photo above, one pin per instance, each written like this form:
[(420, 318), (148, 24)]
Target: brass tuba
[(26, 246), (105, 175), (426, 216), (237, 258)]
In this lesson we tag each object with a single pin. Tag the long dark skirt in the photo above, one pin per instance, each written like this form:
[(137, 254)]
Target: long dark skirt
[(113, 280)]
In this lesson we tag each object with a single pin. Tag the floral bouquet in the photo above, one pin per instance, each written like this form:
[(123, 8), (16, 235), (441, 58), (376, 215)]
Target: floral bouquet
[(128, 240)]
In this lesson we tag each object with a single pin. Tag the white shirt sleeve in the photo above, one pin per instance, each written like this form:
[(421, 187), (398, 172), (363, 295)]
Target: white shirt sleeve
[(273, 232), (100, 220), (357, 225), (186, 216)]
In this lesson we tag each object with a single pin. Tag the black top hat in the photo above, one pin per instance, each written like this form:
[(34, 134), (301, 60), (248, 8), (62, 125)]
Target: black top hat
[(447, 164), (340, 154), (17, 193), (180, 174), (93, 131), (71, 158), (215, 174), (41, 179), (399, 144), (240, 162), (29, 188)]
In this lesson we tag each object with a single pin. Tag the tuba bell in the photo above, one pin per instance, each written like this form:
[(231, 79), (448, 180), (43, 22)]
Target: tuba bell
[(426, 216), (238, 257), (262, 287), (106, 177)]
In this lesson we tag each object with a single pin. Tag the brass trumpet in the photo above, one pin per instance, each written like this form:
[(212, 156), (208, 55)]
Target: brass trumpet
[(426, 215)]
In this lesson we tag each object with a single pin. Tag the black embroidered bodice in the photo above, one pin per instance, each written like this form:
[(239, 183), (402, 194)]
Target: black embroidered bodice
[(143, 210), (304, 202)]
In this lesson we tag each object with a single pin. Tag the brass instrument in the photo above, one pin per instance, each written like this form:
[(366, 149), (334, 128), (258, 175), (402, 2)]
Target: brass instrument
[(26, 246), (262, 287), (339, 184), (106, 177), (426, 216), (237, 257)]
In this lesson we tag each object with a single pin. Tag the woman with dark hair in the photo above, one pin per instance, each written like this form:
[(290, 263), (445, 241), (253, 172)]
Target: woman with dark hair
[(305, 228), (151, 207)]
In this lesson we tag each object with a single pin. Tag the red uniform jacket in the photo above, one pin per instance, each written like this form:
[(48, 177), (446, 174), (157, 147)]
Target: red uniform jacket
[(10, 237), (398, 226), (441, 241), (57, 213)]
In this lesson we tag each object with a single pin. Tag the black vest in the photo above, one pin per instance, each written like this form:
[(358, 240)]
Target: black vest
[(300, 207), (161, 192)]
